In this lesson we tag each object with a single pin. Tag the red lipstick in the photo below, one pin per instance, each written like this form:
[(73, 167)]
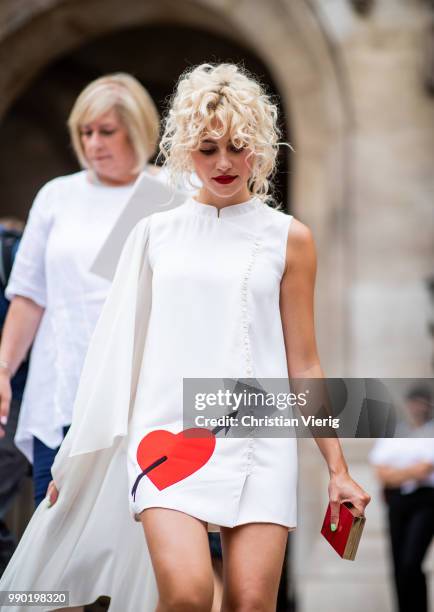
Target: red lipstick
[(224, 179)]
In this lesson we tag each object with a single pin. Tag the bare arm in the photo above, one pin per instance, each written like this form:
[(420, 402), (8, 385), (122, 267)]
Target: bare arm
[(22, 321), (297, 313), (394, 477)]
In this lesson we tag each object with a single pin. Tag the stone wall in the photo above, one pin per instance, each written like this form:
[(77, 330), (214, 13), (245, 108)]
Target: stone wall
[(390, 258)]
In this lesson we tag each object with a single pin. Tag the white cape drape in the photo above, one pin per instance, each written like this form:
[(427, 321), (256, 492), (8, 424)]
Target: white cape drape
[(88, 542)]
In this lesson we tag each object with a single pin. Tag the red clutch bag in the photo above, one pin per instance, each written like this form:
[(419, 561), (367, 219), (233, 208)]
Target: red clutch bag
[(345, 540)]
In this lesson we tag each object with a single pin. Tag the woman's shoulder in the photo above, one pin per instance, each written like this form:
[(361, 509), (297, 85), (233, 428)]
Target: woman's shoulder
[(61, 185), (300, 247), (65, 181), (297, 237), (52, 194), (298, 232), (164, 218), (158, 219), (276, 214)]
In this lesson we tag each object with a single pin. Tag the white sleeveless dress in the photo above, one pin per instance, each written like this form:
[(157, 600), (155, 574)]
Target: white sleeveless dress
[(215, 313), (195, 294)]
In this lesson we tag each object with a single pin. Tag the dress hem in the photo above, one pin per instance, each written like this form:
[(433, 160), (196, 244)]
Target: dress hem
[(215, 527)]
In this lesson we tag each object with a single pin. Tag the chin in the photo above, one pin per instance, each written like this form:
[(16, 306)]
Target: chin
[(106, 173), (228, 191), (226, 195)]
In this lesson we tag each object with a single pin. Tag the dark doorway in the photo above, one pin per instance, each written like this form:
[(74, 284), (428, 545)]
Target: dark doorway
[(34, 143)]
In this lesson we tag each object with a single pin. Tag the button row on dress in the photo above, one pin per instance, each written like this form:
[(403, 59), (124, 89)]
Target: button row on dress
[(245, 320)]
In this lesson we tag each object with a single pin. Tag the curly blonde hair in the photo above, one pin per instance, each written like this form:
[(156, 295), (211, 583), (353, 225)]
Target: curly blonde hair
[(216, 100)]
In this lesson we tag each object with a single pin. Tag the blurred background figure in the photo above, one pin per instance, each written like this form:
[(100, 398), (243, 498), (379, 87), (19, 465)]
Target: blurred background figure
[(13, 465), (55, 300), (405, 468)]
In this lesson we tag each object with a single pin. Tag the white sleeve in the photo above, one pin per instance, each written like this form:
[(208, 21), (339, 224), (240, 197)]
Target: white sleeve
[(28, 277), (379, 455)]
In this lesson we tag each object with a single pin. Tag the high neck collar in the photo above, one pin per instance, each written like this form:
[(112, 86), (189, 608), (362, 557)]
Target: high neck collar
[(233, 210)]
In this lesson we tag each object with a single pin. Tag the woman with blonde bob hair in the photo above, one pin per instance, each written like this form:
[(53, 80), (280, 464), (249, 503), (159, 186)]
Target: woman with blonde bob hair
[(133, 107), (220, 288), (56, 300)]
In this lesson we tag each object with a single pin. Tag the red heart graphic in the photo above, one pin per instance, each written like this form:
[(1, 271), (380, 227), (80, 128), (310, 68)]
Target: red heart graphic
[(185, 453)]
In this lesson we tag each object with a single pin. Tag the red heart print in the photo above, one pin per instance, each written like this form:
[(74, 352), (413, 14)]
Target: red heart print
[(185, 453)]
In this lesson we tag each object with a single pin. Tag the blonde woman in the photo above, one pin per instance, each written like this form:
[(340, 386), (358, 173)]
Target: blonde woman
[(55, 299), (220, 287)]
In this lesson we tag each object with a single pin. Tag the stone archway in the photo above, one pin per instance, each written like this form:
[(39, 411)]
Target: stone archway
[(33, 136)]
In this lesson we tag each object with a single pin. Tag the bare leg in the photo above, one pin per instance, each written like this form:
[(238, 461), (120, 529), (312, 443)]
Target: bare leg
[(252, 564), (179, 550), (218, 585)]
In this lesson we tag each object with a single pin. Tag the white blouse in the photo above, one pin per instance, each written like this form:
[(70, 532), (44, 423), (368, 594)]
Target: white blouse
[(68, 223)]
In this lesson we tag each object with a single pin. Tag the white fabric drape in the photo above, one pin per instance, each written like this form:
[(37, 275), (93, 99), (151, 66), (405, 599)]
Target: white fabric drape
[(88, 542)]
